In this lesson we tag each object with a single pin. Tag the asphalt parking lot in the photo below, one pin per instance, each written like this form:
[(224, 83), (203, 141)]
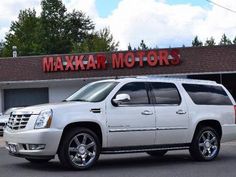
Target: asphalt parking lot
[(174, 164)]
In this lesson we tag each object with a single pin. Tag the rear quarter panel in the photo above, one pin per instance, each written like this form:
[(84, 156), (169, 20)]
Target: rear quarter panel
[(224, 114)]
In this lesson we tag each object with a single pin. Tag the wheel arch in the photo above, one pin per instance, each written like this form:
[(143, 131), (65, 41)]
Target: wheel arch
[(209, 123), (95, 127)]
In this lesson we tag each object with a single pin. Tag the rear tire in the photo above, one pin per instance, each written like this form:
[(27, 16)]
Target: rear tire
[(157, 153), (37, 161), (205, 145), (79, 149)]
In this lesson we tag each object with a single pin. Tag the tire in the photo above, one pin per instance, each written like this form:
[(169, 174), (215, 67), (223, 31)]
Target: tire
[(157, 153), (37, 161), (205, 145), (79, 149)]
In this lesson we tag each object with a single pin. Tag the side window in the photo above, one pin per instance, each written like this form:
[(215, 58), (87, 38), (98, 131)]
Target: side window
[(207, 94), (166, 93), (137, 92)]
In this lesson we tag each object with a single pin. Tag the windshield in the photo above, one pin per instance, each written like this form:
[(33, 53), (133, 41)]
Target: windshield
[(93, 92)]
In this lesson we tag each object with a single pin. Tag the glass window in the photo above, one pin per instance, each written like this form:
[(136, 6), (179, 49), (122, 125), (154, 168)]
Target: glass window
[(137, 92), (207, 94), (93, 92), (165, 93)]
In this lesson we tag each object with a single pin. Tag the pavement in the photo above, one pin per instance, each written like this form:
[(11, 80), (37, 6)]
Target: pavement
[(173, 164)]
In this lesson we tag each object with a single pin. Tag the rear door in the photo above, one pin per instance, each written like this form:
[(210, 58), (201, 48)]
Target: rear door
[(171, 113)]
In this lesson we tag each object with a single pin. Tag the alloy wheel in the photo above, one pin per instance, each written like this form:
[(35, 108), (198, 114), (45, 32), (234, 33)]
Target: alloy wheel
[(82, 150)]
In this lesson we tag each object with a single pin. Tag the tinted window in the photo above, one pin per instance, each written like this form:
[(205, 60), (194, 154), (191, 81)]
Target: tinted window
[(207, 94), (165, 93), (137, 92)]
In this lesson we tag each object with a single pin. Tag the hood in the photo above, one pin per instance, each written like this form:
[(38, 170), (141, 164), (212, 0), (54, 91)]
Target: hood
[(55, 106), (4, 118)]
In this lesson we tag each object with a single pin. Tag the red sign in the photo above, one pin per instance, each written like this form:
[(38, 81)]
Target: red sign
[(116, 60)]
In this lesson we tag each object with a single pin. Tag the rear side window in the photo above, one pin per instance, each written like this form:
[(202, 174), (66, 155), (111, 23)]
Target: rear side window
[(165, 93), (137, 92), (207, 94)]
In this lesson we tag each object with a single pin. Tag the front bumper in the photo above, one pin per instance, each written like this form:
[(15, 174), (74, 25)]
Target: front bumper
[(49, 137), (228, 132)]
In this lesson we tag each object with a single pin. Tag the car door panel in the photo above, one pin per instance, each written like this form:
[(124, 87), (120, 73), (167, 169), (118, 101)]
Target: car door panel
[(171, 114), (133, 123)]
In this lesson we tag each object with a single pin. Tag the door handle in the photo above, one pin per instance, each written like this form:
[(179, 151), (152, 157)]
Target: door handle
[(147, 112), (180, 112)]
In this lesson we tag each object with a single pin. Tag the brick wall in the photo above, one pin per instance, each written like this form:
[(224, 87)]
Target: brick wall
[(193, 60)]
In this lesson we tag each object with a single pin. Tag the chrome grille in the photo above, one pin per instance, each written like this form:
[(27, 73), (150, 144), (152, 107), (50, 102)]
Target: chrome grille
[(17, 122)]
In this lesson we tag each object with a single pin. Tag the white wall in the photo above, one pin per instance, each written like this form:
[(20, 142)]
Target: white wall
[(59, 93)]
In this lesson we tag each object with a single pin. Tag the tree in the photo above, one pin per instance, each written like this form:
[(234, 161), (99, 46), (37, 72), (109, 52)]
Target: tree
[(1, 48), (23, 34), (101, 41), (78, 26), (225, 40), (196, 42), (52, 25), (142, 45), (55, 31), (129, 47), (210, 42), (234, 41)]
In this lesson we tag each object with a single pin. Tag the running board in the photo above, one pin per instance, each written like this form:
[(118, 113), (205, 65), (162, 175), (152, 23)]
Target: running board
[(120, 150)]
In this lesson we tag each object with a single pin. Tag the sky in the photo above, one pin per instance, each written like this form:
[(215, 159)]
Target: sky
[(160, 23)]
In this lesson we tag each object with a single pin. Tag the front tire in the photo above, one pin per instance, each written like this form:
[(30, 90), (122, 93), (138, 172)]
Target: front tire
[(79, 149), (205, 145)]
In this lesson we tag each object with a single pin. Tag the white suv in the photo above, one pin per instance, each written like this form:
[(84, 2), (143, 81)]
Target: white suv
[(152, 115)]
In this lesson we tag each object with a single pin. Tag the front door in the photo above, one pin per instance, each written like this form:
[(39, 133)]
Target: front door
[(171, 114), (131, 123)]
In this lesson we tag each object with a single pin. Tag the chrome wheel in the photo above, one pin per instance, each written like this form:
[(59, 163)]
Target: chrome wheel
[(82, 150), (208, 144)]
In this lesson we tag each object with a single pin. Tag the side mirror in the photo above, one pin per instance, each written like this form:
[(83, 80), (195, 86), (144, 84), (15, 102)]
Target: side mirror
[(121, 98)]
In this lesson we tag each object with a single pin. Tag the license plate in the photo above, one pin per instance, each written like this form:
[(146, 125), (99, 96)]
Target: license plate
[(12, 148)]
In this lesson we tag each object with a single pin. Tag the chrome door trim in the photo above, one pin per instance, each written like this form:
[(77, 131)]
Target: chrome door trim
[(171, 128), (132, 129), (145, 129)]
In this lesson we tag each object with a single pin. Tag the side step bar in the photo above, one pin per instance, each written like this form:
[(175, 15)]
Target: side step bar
[(120, 150)]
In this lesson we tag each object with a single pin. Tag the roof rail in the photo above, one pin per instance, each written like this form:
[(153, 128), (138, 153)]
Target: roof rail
[(153, 77)]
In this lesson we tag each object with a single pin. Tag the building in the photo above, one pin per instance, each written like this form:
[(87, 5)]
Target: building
[(40, 79)]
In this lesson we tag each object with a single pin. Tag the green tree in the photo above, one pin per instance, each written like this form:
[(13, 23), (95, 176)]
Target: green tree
[(1, 48), (23, 34), (196, 42), (129, 47), (142, 46), (54, 38), (101, 41), (225, 40), (234, 41), (78, 26), (210, 42), (55, 31)]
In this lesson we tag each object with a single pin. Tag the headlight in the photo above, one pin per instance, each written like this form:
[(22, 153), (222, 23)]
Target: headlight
[(44, 119)]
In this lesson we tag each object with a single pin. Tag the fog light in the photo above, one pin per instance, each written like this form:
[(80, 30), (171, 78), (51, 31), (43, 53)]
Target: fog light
[(36, 146)]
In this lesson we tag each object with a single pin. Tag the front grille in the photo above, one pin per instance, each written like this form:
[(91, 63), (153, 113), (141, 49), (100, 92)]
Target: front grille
[(17, 122)]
